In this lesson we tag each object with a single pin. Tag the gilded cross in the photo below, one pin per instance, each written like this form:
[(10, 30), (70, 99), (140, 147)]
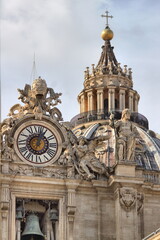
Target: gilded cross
[(106, 16)]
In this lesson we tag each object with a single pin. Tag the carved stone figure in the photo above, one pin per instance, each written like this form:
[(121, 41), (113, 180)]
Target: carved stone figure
[(88, 163), (125, 133), (6, 140), (38, 100), (68, 158), (140, 200), (79, 156)]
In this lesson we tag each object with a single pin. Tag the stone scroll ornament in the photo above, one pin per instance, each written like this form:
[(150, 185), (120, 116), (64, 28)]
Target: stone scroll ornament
[(125, 134)]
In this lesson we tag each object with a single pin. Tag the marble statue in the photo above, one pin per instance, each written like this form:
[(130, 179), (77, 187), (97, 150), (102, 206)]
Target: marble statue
[(79, 156), (88, 163), (125, 133)]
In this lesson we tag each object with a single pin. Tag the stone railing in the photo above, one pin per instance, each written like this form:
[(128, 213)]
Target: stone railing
[(102, 115), (151, 176)]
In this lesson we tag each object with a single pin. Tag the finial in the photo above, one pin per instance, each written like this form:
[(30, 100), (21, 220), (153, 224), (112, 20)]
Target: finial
[(93, 70), (87, 73), (130, 73), (107, 33), (119, 69), (106, 16), (125, 69)]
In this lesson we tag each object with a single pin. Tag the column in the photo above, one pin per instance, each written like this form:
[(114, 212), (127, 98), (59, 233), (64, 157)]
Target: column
[(121, 99), (100, 101), (131, 101), (90, 101), (111, 99)]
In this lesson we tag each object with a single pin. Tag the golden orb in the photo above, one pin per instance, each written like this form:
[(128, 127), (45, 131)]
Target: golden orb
[(107, 34)]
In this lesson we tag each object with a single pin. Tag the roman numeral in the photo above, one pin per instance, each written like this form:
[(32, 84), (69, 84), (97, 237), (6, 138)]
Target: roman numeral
[(53, 145), (29, 155), (46, 157), (23, 149), (51, 137), (35, 129), (51, 152), (30, 130), (24, 135), (21, 142), (39, 158), (40, 129)]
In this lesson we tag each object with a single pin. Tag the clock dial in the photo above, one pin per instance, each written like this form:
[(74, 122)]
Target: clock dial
[(38, 144)]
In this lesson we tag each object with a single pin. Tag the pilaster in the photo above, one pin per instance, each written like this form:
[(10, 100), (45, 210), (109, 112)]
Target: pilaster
[(126, 213), (71, 207), (5, 198), (128, 205), (82, 103)]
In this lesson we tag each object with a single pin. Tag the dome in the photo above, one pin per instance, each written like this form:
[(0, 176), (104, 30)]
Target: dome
[(147, 150), (108, 89)]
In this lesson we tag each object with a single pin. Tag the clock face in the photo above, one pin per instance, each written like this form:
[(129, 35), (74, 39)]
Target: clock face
[(38, 143)]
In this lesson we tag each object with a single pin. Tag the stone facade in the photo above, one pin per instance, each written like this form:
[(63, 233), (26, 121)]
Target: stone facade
[(123, 207)]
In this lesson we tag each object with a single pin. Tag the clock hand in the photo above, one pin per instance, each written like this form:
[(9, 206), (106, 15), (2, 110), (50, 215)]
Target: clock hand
[(39, 138)]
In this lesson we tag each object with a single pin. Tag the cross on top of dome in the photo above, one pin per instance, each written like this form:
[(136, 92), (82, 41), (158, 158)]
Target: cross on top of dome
[(107, 17)]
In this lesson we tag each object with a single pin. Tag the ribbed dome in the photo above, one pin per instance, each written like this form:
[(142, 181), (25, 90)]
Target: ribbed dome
[(147, 152)]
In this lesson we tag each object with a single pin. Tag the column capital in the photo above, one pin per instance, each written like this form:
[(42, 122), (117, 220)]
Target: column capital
[(122, 90), (111, 90), (111, 87), (137, 96), (100, 89), (89, 92), (131, 92)]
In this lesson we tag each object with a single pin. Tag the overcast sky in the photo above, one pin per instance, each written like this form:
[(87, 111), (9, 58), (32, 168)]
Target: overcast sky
[(65, 37)]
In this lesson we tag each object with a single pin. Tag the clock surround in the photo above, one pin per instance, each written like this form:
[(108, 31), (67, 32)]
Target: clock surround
[(38, 142)]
